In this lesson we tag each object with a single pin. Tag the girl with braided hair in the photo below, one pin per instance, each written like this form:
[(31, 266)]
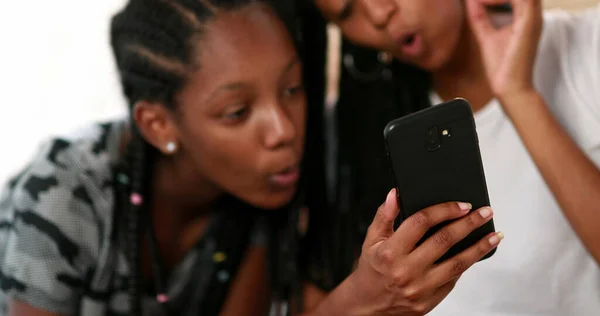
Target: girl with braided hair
[(190, 207), (532, 77)]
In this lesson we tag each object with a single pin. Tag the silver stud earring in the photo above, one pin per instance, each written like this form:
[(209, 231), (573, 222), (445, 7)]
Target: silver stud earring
[(171, 147)]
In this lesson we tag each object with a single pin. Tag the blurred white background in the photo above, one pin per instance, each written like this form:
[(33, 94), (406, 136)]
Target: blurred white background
[(57, 71)]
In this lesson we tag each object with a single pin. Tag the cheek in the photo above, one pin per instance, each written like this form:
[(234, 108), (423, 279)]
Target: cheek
[(360, 32), (237, 165), (224, 157), (444, 50), (446, 30), (234, 159), (453, 21), (240, 170)]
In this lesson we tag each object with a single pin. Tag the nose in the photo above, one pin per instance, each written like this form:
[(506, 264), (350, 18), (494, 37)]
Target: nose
[(379, 12), (281, 131)]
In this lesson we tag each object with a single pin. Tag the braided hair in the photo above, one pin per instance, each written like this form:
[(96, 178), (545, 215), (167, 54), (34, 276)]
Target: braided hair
[(154, 43), (339, 219)]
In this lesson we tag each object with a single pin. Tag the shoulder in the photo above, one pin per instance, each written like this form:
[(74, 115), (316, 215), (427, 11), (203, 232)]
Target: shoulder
[(570, 48), (54, 217), (567, 71), (574, 23), (77, 166), (63, 196), (576, 34)]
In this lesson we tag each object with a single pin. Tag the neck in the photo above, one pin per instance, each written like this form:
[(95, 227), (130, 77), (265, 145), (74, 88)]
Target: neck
[(181, 194), (464, 75), (182, 203)]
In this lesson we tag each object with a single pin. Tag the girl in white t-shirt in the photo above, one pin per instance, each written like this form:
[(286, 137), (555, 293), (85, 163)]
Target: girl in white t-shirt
[(534, 85)]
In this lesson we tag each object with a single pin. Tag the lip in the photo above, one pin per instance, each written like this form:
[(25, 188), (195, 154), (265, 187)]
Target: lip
[(286, 178), (410, 44)]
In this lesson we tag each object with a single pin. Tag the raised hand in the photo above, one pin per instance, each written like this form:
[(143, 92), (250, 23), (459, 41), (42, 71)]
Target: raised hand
[(509, 52)]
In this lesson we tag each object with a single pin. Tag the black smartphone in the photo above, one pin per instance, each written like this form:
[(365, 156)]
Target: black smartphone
[(435, 158)]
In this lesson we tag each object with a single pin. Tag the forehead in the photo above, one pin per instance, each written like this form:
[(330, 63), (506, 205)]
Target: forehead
[(242, 41)]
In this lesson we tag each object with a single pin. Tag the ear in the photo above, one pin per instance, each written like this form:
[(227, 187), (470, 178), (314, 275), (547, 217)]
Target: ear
[(156, 124)]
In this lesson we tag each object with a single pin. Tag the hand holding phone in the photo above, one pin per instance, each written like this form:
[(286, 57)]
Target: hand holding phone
[(396, 276), (434, 157)]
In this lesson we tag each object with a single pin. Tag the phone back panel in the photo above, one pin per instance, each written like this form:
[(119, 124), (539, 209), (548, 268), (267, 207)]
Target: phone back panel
[(435, 158)]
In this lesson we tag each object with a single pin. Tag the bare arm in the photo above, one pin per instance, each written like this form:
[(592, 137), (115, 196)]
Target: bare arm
[(17, 308), (570, 174)]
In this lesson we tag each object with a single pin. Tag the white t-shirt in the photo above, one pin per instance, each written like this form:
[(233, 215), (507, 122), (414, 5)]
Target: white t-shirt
[(541, 268)]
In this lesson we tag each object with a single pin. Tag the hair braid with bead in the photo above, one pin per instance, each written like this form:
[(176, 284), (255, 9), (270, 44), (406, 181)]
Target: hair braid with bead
[(154, 43)]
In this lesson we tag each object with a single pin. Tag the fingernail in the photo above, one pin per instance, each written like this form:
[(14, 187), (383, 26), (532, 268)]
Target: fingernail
[(486, 212), (390, 196), (495, 240), (465, 206)]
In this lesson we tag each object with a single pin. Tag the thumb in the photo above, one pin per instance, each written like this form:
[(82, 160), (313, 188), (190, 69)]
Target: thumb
[(382, 226)]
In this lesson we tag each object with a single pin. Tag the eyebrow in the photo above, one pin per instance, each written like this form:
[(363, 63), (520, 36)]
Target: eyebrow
[(346, 10), (239, 85)]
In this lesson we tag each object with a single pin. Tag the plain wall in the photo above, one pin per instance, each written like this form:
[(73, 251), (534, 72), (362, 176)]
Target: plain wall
[(57, 72)]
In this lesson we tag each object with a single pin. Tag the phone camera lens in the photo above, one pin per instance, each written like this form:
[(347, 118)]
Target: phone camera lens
[(432, 139)]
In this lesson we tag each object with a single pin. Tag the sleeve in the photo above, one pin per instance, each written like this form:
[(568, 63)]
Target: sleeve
[(575, 40), (50, 234), (587, 60), (595, 62), (585, 30), (595, 55)]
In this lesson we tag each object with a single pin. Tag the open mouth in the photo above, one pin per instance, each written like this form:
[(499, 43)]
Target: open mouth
[(409, 40), (411, 45), (287, 177)]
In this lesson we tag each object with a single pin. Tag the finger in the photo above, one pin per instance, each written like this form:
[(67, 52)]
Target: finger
[(527, 13), (446, 237), (382, 226), (480, 21), (414, 228), (522, 7), (455, 266)]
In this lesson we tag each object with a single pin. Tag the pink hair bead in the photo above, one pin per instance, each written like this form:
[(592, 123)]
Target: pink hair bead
[(162, 298), (136, 199)]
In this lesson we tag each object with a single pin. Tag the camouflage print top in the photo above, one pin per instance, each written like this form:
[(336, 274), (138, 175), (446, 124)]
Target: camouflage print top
[(58, 250)]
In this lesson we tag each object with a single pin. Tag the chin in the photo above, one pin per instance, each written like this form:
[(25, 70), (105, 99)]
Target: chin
[(431, 63), (272, 200)]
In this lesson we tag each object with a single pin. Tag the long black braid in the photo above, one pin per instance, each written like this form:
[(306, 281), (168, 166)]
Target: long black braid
[(338, 225), (139, 154), (154, 45)]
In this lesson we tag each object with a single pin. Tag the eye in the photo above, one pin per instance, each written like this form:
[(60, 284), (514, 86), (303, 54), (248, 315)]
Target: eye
[(289, 92), (236, 115)]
